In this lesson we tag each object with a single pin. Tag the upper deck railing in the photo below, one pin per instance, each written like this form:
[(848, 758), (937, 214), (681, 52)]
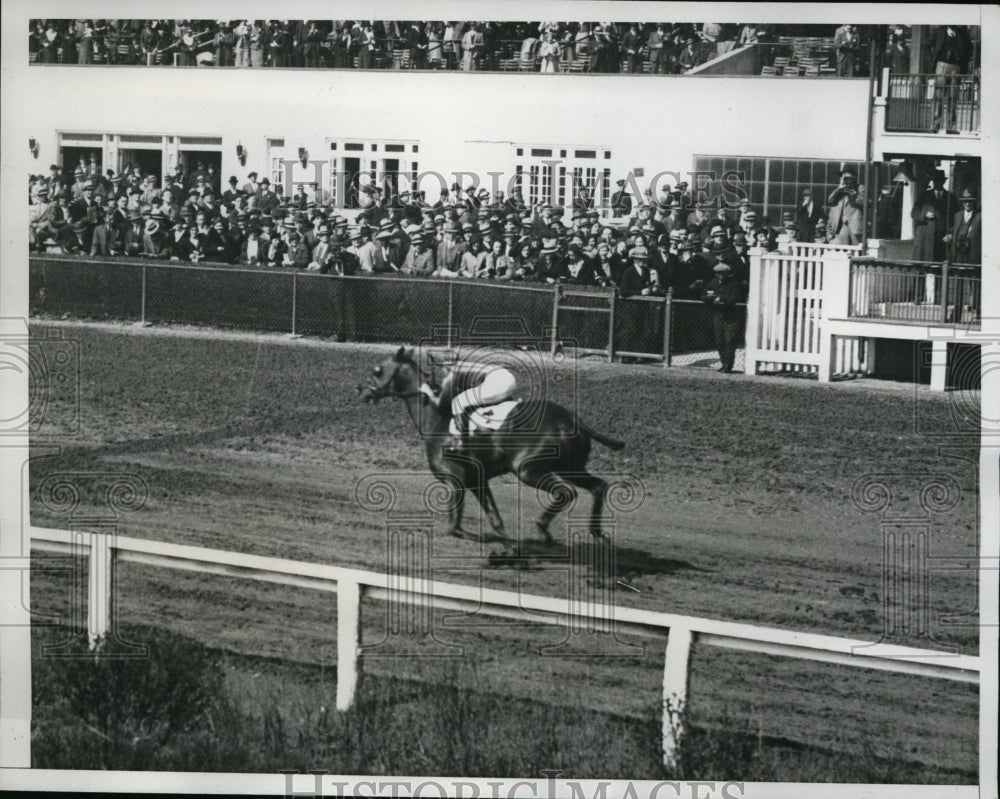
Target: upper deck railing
[(933, 104), (916, 291)]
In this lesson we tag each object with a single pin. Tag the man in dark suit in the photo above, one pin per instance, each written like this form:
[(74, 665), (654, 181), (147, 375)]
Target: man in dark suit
[(634, 278), (932, 211), (268, 199), (965, 241), (416, 43), (807, 215), (385, 258), (722, 294), (230, 194)]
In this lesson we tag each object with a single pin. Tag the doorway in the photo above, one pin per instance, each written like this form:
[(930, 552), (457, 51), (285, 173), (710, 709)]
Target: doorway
[(204, 162), (87, 158), (352, 174), (149, 161), (390, 180)]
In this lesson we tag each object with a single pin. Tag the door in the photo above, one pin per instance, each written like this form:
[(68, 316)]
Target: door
[(203, 162), (149, 161), (86, 158), (352, 172)]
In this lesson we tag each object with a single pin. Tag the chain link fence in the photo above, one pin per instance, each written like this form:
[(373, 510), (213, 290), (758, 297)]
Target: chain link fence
[(692, 335), (377, 308), (85, 289)]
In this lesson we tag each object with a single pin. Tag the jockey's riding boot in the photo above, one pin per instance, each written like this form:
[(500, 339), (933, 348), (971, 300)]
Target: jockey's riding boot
[(457, 442)]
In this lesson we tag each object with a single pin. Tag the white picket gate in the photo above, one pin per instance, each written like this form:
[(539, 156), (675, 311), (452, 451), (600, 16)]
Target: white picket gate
[(352, 585), (785, 311)]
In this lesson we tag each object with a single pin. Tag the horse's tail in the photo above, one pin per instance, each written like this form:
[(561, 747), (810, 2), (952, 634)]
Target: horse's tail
[(608, 441)]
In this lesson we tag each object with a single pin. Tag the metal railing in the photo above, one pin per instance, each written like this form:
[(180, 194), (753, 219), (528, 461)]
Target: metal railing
[(916, 291), (932, 103), (352, 586), (371, 308)]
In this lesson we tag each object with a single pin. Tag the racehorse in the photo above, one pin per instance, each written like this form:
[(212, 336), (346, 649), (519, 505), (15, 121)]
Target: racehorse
[(543, 444)]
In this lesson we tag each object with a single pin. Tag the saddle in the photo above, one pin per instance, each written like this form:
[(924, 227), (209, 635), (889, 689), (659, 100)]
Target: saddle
[(487, 419)]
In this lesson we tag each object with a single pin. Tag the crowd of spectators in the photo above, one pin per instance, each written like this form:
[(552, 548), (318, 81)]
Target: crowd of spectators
[(669, 48), (670, 242)]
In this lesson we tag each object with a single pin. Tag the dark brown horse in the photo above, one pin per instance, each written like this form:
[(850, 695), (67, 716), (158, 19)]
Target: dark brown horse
[(543, 444)]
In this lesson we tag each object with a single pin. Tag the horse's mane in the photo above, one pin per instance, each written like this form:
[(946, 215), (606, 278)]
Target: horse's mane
[(424, 373)]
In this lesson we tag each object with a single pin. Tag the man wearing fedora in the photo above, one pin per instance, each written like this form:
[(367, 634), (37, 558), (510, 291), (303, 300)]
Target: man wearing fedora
[(965, 241), (932, 212), (104, 237), (722, 294), (621, 202), (846, 223), (384, 255), (131, 237), (807, 215)]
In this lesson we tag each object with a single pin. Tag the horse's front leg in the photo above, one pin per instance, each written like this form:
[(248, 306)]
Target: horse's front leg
[(489, 505), (454, 503)]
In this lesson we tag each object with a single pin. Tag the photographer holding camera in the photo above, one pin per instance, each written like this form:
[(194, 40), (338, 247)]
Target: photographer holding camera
[(846, 220)]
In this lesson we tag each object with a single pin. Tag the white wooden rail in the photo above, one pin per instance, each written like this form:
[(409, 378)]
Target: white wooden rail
[(351, 585)]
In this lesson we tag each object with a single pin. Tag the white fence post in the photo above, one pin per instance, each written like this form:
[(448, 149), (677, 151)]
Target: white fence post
[(348, 641), (752, 335), (99, 587), (675, 676)]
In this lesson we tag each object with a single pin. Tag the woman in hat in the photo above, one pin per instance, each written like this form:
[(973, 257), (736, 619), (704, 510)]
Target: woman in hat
[(578, 267), (525, 260), (154, 238)]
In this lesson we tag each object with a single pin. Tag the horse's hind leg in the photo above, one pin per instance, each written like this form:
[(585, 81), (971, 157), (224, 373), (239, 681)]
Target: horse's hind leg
[(597, 487), (561, 495)]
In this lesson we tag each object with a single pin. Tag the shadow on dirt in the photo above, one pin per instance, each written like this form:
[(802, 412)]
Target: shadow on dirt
[(602, 560)]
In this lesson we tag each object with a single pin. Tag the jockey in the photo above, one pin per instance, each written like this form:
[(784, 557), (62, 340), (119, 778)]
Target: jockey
[(473, 385)]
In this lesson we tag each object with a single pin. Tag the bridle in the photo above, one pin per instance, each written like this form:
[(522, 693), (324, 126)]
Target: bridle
[(385, 391)]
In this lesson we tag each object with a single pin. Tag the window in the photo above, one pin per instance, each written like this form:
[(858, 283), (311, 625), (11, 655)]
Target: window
[(275, 142), (354, 147), (536, 176), (277, 172), (774, 185), (395, 148)]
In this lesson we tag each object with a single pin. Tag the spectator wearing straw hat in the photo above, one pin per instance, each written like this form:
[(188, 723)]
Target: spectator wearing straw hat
[(634, 278), (722, 294)]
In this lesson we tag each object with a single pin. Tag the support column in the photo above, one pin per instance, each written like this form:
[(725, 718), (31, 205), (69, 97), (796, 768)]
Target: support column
[(939, 364)]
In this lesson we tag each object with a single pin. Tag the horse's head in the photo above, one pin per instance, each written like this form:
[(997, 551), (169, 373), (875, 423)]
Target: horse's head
[(398, 376)]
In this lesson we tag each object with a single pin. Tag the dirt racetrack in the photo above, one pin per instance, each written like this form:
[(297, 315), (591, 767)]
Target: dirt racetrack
[(257, 444)]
